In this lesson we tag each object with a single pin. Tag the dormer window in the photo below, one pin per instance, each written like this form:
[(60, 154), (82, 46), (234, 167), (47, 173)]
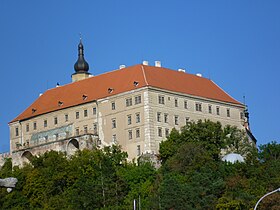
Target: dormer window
[(110, 90), (33, 111), (84, 97), (60, 103), (135, 83)]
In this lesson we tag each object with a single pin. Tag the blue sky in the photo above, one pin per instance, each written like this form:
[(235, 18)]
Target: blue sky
[(235, 43)]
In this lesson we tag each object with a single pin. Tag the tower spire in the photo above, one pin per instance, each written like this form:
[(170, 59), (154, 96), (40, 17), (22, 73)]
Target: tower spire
[(81, 66)]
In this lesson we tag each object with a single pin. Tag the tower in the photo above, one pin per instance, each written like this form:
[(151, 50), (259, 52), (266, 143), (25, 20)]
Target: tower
[(81, 66)]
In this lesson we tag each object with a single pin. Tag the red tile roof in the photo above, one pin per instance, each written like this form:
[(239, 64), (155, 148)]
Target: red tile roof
[(120, 81)]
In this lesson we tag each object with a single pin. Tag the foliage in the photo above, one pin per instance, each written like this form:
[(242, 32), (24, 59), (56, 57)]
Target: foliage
[(192, 175)]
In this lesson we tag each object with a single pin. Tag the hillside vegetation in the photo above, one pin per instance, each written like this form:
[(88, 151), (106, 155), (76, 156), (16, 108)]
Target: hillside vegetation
[(191, 176)]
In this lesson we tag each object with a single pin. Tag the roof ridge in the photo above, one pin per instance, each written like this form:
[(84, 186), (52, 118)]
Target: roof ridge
[(144, 74)]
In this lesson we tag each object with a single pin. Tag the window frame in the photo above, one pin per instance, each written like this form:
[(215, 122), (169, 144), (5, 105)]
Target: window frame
[(137, 100), (161, 99), (198, 106), (128, 102), (137, 117)]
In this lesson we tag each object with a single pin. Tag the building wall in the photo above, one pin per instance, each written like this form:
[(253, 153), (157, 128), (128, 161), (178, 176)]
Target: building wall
[(115, 110)]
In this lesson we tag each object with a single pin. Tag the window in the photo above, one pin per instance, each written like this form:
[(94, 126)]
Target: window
[(77, 115), (113, 104), (95, 128), (128, 101), (85, 113), (137, 117), (17, 133), (114, 123), (210, 109), (45, 123), (27, 127), (228, 112), (56, 136), (176, 102), (186, 104), (114, 138), (159, 117), (66, 117), (129, 119), (137, 134), (77, 131), (85, 129), (130, 134), (198, 107), (160, 132), (166, 118), (176, 119), (34, 126), (55, 120), (166, 132), (137, 100), (138, 150), (187, 120), (46, 138), (161, 99), (218, 110), (94, 110), (241, 115)]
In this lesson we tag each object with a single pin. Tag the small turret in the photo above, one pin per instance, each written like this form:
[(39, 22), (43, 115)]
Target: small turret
[(81, 66)]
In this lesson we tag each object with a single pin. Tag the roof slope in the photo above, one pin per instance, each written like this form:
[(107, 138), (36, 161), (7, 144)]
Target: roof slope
[(120, 81)]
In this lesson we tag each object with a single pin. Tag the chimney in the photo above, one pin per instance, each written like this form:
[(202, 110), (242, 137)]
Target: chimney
[(146, 63), (121, 66), (157, 63)]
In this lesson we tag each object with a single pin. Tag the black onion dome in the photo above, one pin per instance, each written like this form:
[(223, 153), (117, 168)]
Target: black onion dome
[(81, 66)]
